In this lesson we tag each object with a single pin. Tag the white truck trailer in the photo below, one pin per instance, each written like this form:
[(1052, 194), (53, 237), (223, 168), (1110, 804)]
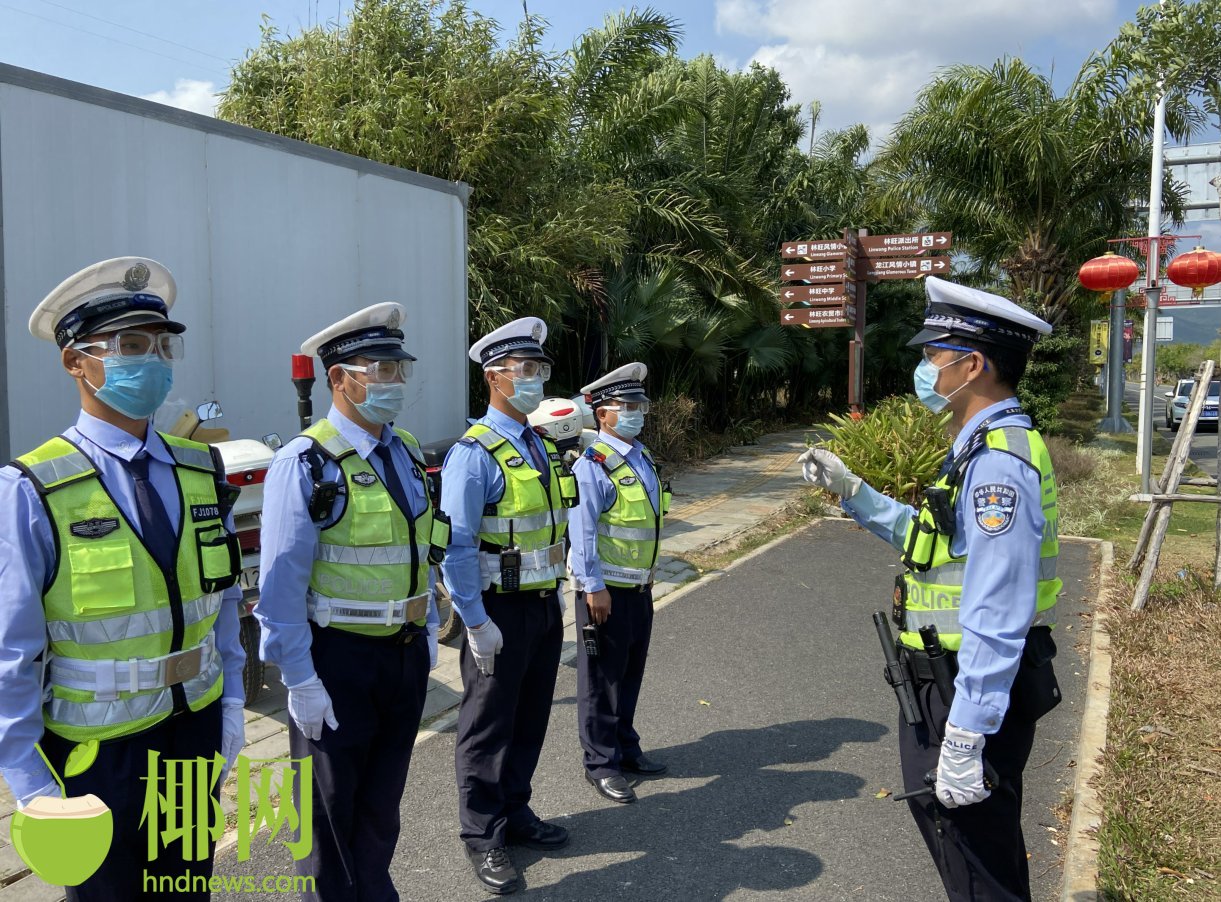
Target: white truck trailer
[(269, 240)]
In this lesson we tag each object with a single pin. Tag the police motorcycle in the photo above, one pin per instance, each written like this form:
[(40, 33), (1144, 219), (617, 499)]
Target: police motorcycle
[(569, 422)]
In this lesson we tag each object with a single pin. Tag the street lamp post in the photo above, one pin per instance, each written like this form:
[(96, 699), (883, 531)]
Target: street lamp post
[(1153, 290)]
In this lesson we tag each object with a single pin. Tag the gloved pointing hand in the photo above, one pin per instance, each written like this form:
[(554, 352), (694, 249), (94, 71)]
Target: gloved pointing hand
[(485, 641), (824, 469), (960, 769), (233, 732), (309, 705)]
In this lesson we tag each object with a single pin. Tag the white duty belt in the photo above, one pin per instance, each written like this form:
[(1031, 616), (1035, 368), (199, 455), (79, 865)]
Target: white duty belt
[(538, 566), (629, 574), (324, 610), (107, 678)]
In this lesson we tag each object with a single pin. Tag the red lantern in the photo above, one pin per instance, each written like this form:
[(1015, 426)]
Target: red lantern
[(1196, 270), (1110, 272)]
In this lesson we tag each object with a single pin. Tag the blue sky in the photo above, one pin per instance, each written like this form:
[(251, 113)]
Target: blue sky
[(864, 60)]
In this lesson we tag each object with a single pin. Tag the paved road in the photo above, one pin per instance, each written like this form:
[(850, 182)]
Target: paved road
[(772, 783), (1203, 443)]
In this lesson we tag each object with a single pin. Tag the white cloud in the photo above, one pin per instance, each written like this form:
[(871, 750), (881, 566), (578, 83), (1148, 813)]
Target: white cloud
[(866, 61), (188, 94)]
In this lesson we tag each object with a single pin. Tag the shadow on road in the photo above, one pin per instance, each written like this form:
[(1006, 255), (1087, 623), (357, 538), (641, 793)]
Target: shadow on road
[(723, 834)]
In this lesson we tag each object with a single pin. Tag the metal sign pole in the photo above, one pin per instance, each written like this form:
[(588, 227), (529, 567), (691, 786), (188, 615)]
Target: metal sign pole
[(1114, 421)]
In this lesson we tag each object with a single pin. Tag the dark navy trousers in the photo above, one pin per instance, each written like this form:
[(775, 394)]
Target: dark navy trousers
[(377, 687), (608, 685), (118, 778), (978, 849), (503, 718)]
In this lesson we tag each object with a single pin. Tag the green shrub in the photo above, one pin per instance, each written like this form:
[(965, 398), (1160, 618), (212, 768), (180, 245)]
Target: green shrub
[(1071, 462), (897, 447), (671, 430)]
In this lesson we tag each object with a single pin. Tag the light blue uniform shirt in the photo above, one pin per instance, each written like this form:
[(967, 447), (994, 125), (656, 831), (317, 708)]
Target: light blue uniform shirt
[(471, 479), (1000, 583), (597, 493), (27, 565), (289, 541)]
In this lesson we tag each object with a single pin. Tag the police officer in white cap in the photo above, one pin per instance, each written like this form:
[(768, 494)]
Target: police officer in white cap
[(507, 494), (119, 627), (616, 537), (980, 584), (346, 600)]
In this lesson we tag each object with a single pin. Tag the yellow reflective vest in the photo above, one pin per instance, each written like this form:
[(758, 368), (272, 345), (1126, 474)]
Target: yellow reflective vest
[(370, 575), (932, 583), (128, 643), (530, 515), (629, 532)]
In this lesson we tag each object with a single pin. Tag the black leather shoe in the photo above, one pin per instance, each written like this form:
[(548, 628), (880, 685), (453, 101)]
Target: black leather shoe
[(494, 869), (614, 787), (540, 835), (644, 767)]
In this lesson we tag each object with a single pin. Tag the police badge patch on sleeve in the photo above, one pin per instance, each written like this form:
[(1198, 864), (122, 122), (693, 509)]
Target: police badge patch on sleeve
[(995, 506)]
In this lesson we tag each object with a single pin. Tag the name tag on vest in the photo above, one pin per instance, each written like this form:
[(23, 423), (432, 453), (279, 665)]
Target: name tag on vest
[(95, 528), (205, 512)]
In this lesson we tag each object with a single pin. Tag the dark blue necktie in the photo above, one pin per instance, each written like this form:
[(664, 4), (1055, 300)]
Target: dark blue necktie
[(534, 443), (155, 527), (391, 478)]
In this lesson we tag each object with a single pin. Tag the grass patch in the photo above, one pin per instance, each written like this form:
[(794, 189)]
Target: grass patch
[(1161, 784)]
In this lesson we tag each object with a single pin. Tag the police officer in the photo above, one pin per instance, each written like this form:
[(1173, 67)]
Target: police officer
[(117, 569), (507, 493), (616, 532), (980, 556), (346, 600)]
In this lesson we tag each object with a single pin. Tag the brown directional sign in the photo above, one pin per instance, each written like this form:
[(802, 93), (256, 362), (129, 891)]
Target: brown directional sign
[(830, 271), (901, 245), (832, 249), (903, 267), (830, 293), (819, 317)]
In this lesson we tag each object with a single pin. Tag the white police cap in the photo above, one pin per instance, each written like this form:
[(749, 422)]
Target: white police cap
[(521, 338), (372, 332), (113, 294), (623, 384), (958, 311)]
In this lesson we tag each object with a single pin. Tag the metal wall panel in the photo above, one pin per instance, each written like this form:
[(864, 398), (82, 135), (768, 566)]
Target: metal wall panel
[(268, 243)]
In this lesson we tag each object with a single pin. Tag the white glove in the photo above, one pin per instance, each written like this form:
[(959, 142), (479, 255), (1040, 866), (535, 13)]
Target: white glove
[(960, 769), (485, 641), (51, 789), (310, 706), (433, 644), (233, 733), (827, 471)]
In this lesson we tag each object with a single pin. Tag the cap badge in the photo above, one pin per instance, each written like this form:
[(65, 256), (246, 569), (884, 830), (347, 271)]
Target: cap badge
[(392, 321), (537, 332), (136, 278)]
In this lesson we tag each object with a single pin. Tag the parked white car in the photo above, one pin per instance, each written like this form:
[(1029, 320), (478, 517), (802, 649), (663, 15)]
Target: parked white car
[(1176, 404)]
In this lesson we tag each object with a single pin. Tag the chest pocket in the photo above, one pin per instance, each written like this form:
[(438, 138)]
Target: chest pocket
[(635, 508), (103, 577), (219, 557), (370, 515), (568, 485)]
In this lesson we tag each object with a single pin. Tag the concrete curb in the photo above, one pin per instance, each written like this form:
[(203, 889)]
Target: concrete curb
[(1081, 855)]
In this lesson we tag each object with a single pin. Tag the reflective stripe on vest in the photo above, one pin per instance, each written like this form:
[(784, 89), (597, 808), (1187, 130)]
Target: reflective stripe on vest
[(108, 600), (629, 531), (935, 593), (362, 574), (534, 513)]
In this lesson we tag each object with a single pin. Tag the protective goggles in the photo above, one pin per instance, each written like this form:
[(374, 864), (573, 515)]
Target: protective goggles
[(642, 406), (526, 369), (382, 370), (945, 346), (133, 344)]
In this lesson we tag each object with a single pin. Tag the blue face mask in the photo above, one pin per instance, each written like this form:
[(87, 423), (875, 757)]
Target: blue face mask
[(926, 384), (383, 401), (630, 423), (135, 388), (527, 394)]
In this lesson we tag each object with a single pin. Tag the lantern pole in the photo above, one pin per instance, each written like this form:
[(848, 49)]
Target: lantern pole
[(1153, 290), (1115, 375)]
